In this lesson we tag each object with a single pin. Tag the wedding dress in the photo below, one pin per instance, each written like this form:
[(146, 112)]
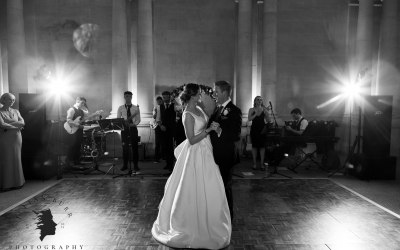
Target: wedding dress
[(194, 212)]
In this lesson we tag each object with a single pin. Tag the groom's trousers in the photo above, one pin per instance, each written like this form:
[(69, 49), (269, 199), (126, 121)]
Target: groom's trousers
[(224, 156), (226, 173)]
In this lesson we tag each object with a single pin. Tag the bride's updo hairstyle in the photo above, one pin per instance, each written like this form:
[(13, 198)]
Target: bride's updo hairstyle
[(190, 89)]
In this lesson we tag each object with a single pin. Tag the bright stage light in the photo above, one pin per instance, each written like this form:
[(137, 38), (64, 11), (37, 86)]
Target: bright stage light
[(57, 87), (351, 90), (347, 91)]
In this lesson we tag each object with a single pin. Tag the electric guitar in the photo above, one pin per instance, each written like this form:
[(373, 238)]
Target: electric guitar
[(72, 129)]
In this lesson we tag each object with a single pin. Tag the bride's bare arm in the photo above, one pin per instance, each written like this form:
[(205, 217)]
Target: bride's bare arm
[(189, 130)]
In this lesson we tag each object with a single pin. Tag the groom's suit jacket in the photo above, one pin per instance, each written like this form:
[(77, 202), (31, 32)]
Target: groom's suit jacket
[(230, 120)]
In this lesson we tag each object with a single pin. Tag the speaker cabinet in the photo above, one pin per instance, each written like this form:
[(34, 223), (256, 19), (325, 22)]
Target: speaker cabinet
[(34, 155), (367, 168), (377, 126)]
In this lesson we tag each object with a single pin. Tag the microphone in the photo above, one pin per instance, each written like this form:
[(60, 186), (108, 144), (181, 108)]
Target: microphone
[(270, 104)]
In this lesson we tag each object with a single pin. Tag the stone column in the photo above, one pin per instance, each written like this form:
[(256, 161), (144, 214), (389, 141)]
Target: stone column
[(244, 67), (388, 48), (145, 61), (1, 73), (119, 55), (132, 27), (3, 67), (364, 37), (17, 76), (268, 72)]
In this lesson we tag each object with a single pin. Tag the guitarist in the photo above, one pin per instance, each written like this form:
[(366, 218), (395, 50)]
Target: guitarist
[(131, 115), (79, 109)]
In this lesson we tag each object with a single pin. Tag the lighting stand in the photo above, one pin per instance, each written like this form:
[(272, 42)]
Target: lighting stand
[(356, 144), (59, 164)]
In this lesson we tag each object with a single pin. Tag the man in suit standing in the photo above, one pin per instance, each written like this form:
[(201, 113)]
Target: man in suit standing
[(228, 118), (168, 126), (157, 130), (129, 136)]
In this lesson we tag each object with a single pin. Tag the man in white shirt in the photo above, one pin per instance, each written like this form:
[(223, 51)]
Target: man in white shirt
[(129, 135)]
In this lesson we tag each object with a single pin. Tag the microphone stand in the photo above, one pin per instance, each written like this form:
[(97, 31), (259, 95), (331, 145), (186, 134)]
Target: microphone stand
[(275, 167), (273, 115), (112, 125), (128, 145)]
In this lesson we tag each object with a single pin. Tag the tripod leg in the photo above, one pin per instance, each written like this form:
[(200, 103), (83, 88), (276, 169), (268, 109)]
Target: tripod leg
[(276, 172), (112, 167), (349, 156)]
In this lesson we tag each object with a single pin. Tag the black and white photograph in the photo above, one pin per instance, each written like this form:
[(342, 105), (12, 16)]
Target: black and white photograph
[(199, 124)]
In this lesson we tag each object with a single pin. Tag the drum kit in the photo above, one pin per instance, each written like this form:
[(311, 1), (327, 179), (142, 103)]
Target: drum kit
[(93, 143), (93, 147)]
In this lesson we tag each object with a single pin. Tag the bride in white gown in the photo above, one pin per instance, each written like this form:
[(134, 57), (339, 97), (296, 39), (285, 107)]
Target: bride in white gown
[(194, 212)]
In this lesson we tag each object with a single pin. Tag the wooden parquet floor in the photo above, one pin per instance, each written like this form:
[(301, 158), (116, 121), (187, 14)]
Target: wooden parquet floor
[(269, 214)]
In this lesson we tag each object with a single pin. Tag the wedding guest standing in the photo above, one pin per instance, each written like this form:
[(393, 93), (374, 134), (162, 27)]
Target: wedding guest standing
[(158, 133), (168, 127), (11, 123), (258, 115)]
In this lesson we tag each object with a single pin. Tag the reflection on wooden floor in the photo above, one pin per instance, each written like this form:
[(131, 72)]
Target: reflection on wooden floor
[(270, 214)]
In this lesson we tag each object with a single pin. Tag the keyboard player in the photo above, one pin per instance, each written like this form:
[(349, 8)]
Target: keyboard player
[(296, 128), (299, 124)]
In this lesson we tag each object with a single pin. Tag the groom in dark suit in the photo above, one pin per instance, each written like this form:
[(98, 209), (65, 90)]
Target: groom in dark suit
[(228, 120)]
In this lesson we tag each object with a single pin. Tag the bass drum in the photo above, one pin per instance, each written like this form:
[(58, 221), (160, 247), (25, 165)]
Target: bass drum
[(90, 150)]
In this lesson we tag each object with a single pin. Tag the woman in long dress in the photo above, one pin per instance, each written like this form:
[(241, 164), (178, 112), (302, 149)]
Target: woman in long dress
[(194, 212), (11, 122)]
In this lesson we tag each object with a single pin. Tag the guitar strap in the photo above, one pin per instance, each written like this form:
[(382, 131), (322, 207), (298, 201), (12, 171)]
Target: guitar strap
[(77, 113)]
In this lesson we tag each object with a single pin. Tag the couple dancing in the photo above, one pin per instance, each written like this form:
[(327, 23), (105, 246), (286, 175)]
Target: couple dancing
[(196, 209)]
